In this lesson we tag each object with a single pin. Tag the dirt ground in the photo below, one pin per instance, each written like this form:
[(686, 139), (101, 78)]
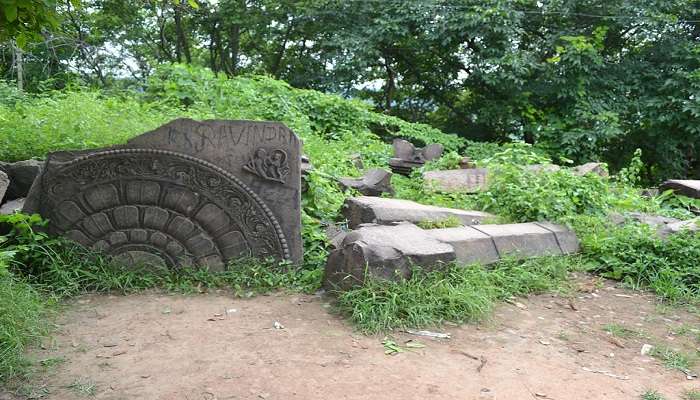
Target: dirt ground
[(215, 346)]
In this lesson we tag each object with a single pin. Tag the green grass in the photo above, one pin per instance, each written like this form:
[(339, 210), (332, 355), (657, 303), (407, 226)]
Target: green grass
[(621, 331), (673, 359), (652, 395), (83, 386), (23, 322), (691, 395), (449, 222), (458, 294)]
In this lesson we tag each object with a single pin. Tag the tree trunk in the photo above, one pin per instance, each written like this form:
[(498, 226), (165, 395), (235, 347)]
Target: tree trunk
[(19, 66), (182, 47), (277, 60), (234, 46), (390, 86)]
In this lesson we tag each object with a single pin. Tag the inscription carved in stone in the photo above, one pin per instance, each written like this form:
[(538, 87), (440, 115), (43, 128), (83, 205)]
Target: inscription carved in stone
[(145, 204)]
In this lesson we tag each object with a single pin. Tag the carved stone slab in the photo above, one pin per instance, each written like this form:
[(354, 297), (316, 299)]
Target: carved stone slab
[(187, 193)]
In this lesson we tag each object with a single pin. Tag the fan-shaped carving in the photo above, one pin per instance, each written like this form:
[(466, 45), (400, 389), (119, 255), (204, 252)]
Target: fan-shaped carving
[(160, 208)]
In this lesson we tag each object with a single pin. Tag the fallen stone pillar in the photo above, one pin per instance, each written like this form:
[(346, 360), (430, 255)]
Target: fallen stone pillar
[(383, 211), (391, 252)]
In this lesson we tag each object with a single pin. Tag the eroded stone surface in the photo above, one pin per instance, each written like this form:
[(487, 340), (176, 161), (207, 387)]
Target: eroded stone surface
[(374, 182), (691, 225), (384, 211), (389, 252), (4, 184), (591, 168), (187, 193), (22, 175), (690, 188), (12, 206), (407, 156), (463, 180)]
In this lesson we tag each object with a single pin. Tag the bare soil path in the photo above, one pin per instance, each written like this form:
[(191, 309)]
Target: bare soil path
[(215, 346)]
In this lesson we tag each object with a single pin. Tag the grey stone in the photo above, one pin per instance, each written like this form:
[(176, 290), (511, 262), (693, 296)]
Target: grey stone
[(4, 184), (522, 240), (407, 156), (22, 175), (654, 221), (470, 245), (335, 235), (461, 180), (691, 225), (383, 211), (391, 252), (386, 252), (591, 168), (189, 192), (566, 238), (374, 182), (690, 188), (12, 206)]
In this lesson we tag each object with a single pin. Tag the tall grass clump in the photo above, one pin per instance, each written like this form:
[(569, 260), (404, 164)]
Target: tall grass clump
[(23, 320), (456, 294)]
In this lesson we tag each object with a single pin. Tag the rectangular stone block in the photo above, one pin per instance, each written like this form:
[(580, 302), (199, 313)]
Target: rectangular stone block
[(383, 211), (470, 245), (459, 180), (522, 240), (566, 238)]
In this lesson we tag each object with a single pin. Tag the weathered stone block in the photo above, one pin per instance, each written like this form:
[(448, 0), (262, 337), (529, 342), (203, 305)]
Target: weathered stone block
[(383, 211), (566, 238), (690, 188), (691, 225), (4, 184), (389, 252), (386, 252), (591, 168), (406, 156), (522, 240), (187, 193), (374, 182), (12, 206), (460, 180), (470, 245), (22, 175)]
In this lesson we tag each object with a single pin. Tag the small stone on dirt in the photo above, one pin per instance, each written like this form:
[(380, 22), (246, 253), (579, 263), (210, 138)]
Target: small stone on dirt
[(646, 349), (277, 325)]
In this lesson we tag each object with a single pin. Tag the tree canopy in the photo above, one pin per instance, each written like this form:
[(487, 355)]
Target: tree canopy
[(585, 80)]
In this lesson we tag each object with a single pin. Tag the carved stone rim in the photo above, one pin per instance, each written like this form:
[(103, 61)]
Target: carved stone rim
[(275, 224)]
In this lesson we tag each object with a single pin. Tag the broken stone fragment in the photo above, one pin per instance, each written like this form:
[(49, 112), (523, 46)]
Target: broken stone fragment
[(591, 168), (384, 211), (4, 184), (654, 221), (22, 175), (407, 156), (690, 188), (667, 230), (374, 182), (387, 252), (12, 206)]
